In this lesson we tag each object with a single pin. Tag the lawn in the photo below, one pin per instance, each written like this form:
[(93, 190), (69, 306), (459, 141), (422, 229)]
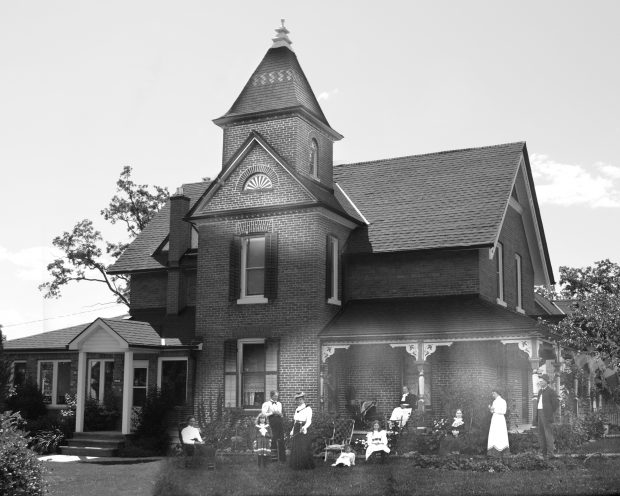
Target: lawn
[(93, 479), (241, 476)]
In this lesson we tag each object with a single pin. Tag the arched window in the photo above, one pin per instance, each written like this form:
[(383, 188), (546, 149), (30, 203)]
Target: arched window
[(314, 158), (257, 182)]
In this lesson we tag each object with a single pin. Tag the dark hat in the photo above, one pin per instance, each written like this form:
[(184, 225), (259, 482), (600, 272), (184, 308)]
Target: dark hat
[(300, 395), (545, 378)]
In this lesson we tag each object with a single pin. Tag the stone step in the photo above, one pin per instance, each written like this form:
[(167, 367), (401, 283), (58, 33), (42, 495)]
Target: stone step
[(98, 443), (87, 451)]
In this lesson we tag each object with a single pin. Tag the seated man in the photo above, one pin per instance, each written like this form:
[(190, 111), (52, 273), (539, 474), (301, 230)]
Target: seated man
[(192, 441), (400, 414)]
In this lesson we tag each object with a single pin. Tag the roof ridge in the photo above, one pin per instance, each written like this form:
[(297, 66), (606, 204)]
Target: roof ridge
[(367, 162)]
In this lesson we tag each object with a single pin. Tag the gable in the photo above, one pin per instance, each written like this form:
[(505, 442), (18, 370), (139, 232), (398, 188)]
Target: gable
[(98, 337), (257, 164)]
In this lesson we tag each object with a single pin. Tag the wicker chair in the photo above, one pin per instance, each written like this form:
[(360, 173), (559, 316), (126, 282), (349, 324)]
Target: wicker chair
[(341, 436)]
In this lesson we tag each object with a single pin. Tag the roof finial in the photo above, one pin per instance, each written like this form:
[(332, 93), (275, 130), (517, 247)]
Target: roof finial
[(282, 39)]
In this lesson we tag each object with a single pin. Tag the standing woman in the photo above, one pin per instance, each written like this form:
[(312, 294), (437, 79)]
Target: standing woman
[(498, 433), (301, 444)]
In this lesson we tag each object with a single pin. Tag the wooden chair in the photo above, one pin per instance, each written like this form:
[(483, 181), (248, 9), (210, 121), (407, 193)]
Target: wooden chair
[(341, 436)]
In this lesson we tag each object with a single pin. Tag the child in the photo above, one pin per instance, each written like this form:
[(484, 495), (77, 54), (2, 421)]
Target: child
[(377, 441), (346, 458), (262, 444)]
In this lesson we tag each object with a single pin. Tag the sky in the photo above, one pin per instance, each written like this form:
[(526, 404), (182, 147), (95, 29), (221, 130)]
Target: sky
[(88, 87)]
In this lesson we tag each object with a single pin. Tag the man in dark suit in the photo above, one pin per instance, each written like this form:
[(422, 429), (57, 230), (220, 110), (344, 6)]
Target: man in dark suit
[(545, 407), (400, 415)]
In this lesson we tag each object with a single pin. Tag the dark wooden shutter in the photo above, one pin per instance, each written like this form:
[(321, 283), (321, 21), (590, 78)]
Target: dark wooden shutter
[(271, 266), (329, 266), (235, 269)]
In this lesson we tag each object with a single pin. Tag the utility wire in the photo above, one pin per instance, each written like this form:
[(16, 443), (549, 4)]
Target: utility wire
[(103, 307)]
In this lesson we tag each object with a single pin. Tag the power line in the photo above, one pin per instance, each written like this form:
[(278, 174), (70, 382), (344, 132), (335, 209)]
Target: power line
[(103, 307)]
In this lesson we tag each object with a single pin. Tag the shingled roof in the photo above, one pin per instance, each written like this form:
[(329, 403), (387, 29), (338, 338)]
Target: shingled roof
[(139, 255), (454, 317), (51, 340), (277, 83), (440, 200)]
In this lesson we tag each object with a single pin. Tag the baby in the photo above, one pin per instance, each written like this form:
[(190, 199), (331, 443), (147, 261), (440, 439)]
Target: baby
[(346, 458)]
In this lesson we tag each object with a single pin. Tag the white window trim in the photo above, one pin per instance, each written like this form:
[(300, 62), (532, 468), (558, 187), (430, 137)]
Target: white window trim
[(519, 307), (53, 403), (160, 360), (500, 274), (315, 165), (12, 377), (249, 299), (335, 247)]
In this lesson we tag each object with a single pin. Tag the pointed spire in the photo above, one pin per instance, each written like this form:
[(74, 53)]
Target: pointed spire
[(282, 39)]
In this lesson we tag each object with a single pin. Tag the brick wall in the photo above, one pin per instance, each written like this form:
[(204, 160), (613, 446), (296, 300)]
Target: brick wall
[(514, 241), (148, 290), (290, 136), (400, 275), (295, 317)]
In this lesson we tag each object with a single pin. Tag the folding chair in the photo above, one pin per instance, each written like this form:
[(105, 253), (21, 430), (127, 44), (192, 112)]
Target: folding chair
[(341, 436)]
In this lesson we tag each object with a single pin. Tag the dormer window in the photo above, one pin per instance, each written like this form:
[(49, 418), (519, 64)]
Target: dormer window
[(314, 158), (258, 182)]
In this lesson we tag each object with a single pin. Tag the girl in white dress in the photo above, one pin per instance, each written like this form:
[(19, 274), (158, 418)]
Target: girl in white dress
[(498, 433), (377, 441)]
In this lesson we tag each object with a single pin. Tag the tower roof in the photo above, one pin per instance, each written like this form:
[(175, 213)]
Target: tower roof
[(278, 83)]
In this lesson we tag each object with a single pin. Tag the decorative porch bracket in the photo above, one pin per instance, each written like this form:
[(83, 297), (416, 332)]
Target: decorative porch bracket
[(329, 350), (430, 348), (411, 348)]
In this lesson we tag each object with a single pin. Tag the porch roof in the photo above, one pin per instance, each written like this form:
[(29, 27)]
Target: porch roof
[(449, 318)]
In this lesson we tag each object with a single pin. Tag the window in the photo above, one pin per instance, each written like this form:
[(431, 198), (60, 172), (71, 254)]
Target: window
[(258, 182), (18, 377), (54, 381), (314, 158), (519, 283), (140, 382), (100, 378), (250, 372), (332, 270), (253, 272), (499, 257), (173, 378)]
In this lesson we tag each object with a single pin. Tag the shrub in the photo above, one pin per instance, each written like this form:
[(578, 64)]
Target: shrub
[(28, 401), (571, 434), (594, 425), (523, 442), (46, 441), (20, 471), (152, 422)]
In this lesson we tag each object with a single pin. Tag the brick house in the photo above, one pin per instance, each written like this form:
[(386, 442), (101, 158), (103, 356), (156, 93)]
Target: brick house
[(345, 281)]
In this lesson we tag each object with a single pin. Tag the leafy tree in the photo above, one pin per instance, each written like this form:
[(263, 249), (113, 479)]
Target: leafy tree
[(593, 325), (85, 254), (4, 373)]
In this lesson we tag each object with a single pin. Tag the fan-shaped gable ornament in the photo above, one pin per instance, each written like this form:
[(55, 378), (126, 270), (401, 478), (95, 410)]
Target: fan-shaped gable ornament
[(257, 182)]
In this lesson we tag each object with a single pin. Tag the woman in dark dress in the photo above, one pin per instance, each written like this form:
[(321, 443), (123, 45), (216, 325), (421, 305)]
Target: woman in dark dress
[(301, 444)]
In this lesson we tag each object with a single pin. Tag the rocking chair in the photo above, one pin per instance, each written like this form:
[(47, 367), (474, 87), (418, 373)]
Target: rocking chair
[(341, 436)]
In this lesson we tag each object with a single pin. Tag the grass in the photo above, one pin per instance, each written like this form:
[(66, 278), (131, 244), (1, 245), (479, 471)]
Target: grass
[(92, 479), (397, 477), (240, 476)]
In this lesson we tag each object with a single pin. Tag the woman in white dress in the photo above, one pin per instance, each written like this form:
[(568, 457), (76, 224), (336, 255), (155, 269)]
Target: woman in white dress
[(377, 441), (498, 433)]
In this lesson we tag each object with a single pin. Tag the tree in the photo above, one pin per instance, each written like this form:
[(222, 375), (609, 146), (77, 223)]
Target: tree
[(593, 326), (5, 373), (83, 248)]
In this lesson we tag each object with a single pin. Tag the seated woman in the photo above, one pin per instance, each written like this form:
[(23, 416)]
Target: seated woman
[(400, 414), (457, 423), (377, 442)]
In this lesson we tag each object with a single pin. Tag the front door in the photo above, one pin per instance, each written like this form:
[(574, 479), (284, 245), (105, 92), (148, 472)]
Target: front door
[(100, 379)]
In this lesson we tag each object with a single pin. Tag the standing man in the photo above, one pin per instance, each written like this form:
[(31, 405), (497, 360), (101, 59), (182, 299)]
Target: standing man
[(546, 407), (272, 408)]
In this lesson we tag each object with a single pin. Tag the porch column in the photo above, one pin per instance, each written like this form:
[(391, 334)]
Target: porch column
[(127, 392), (576, 387), (557, 367), (421, 366), (81, 392)]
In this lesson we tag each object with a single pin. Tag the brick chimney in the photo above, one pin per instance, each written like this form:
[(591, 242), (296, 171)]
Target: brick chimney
[(178, 243)]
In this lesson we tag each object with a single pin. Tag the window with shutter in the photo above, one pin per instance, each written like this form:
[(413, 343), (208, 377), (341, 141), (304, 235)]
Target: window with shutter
[(254, 278), (250, 371), (499, 255)]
